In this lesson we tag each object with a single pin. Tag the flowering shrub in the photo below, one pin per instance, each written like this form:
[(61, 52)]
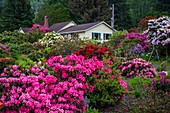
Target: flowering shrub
[(159, 31), (91, 50), (38, 89), (93, 72), (67, 46), (40, 92), (161, 82), (132, 46), (143, 39), (137, 67), (50, 38), (41, 28)]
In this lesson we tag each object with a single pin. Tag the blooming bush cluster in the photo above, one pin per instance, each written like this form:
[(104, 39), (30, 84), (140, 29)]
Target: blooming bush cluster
[(41, 92), (137, 67), (60, 90), (161, 82), (94, 72), (39, 27), (159, 31), (50, 38), (66, 46), (143, 39), (91, 50)]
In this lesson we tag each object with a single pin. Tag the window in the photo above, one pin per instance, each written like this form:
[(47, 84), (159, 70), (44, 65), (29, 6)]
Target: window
[(106, 36), (96, 36)]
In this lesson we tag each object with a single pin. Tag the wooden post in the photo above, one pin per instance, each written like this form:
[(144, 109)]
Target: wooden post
[(112, 19)]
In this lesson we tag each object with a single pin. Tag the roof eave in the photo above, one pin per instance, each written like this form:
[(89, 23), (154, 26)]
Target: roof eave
[(72, 32)]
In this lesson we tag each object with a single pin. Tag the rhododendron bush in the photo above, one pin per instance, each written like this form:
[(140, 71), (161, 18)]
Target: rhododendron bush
[(60, 87), (160, 82), (91, 50), (137, 67), (159, 31)]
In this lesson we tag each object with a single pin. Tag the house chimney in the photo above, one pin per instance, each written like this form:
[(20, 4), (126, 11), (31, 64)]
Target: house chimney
[(46, 21)]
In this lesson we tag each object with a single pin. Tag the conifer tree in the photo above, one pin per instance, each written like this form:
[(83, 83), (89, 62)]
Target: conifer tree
[(16, 14), (84, 11)]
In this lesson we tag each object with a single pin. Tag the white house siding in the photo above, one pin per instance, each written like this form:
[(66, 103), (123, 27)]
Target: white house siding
[(82, 35), (102, 28)]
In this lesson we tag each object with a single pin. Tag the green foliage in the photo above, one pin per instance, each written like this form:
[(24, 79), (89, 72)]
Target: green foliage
[(24, 62), (16, 14), (35, 35), (115, 40), (91, 110), (137, 85), (152, 102), (106, 92), (67, 46), (163, 6), (56, 13)]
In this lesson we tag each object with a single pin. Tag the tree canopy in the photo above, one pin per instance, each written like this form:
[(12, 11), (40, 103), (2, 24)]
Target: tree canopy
[(55, 12), (85, 11), (16, 14)]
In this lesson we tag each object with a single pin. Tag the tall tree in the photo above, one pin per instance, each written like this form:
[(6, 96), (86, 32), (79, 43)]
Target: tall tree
[(138, 9), (163, 6), (84, 11), (16, 14), (56, 12)]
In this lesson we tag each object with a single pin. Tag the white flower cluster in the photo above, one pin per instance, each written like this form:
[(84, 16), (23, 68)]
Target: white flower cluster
[(50, 38), (159, 31)]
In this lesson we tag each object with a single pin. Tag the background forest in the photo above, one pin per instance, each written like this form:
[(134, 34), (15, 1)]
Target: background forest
[(23, 13)]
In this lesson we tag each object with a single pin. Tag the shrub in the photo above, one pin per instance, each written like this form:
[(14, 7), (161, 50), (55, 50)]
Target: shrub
[(60, 87), (50, 38), (160, 82), (91, 50), (67, 46), (158, 33), (137, 67), (115, 40), (98, 75), (40, 92), (133, 45)]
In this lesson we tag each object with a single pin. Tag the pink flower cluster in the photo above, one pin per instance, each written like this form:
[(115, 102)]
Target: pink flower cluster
[(142, 37), (74, 66), (137, 67), (40, 92), (36, 90), (161, 82), (82, 69), (38, 26)]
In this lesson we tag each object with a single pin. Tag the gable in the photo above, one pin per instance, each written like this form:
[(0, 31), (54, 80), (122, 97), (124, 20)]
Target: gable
[(100, 28)]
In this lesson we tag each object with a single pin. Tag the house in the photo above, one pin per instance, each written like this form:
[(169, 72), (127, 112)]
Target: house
[(97, 30)]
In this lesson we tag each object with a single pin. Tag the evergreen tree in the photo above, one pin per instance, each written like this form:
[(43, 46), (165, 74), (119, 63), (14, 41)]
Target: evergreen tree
[(85, 11), (56, 12), (16, 14), (163, 6)]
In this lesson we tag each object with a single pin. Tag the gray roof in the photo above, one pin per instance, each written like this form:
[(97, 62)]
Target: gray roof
[(25, 30), (81, 27), (58, 26)]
